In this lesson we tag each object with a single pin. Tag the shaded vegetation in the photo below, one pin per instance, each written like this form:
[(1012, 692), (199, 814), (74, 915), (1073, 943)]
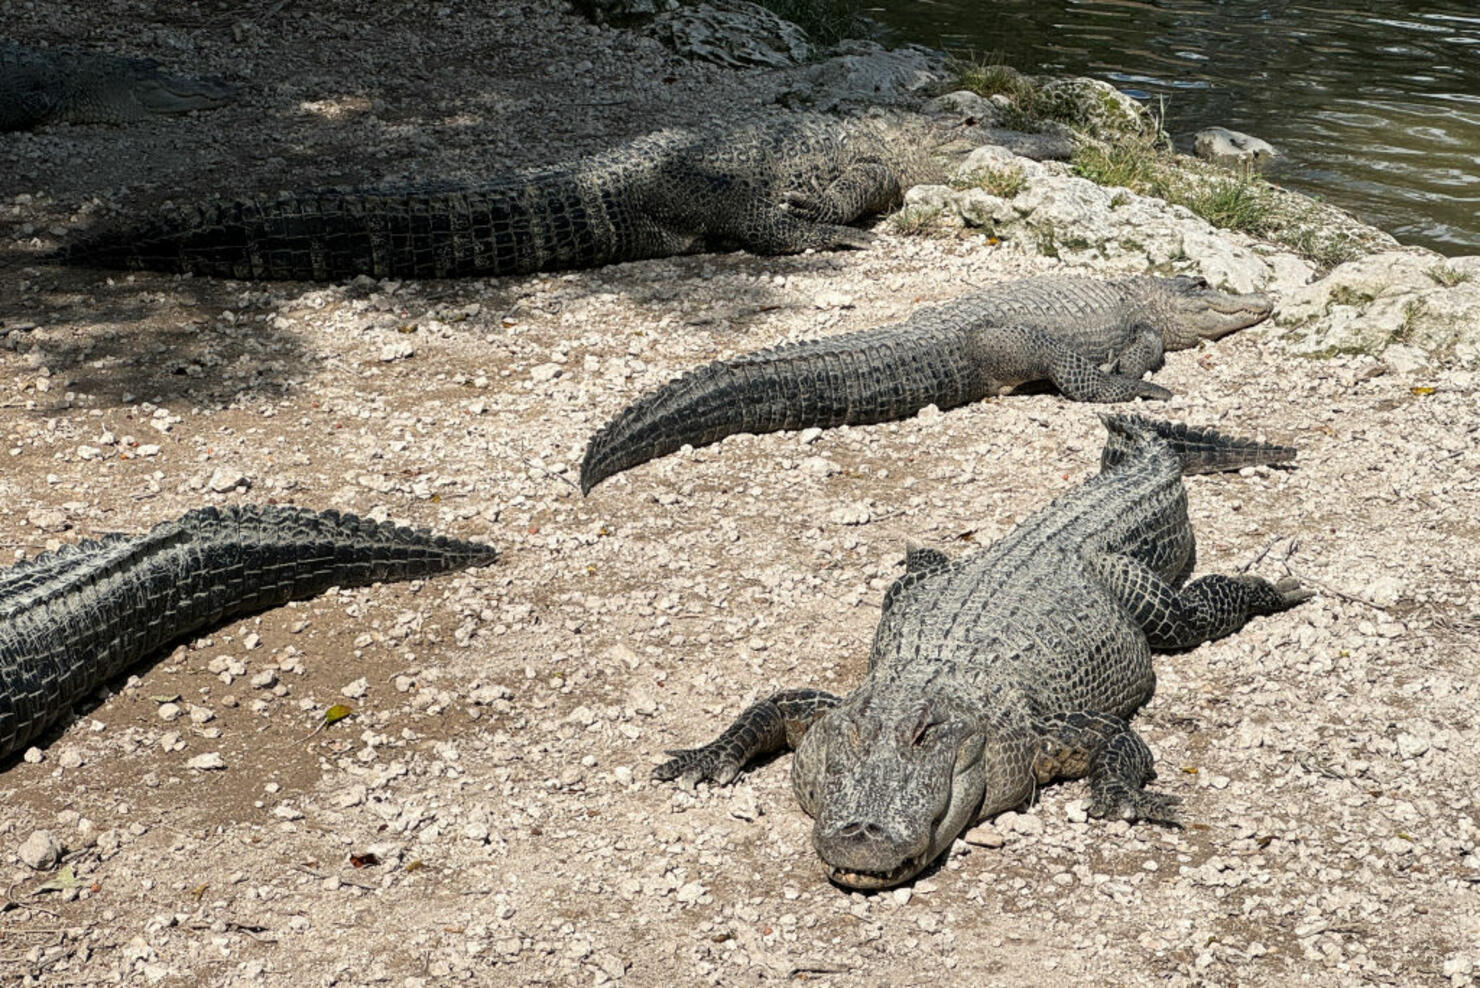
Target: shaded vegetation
[(826, 21)]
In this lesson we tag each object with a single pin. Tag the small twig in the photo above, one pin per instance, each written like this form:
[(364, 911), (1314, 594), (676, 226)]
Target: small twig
[(343, 881), (808, 967), (535, 466), (1327, 588), (1293, 545), (250, 929)]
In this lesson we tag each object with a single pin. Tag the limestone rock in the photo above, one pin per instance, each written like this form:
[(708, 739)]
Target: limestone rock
[(1095, 108), (1232, 149), (1409, 297)]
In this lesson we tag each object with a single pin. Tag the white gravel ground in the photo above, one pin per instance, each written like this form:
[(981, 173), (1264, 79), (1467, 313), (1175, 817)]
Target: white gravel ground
[(486, 816)]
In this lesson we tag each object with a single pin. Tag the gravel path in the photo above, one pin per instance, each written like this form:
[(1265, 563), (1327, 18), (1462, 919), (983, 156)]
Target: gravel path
[(486, 814)]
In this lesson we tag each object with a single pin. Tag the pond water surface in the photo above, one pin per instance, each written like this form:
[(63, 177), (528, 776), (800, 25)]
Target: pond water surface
[(1376, 103)]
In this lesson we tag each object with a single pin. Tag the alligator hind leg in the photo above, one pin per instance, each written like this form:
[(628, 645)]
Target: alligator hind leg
[(1117, 761), (1204, 610), (774, 724)]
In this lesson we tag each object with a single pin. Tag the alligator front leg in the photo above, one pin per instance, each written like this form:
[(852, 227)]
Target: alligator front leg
[(781, 232), (774, 724), (1205, 610), (1117, 761), (1021, 354), (1145, 353)]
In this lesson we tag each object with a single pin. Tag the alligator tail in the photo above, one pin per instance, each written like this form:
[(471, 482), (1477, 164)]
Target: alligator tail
[(549, 221), (73, 619), (1201, 450), (877, 375)]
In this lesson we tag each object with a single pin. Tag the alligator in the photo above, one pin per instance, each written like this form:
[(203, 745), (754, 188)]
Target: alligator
[(72, 619), (41, 86), (1008, 668), (782, 186), (1092, 339)]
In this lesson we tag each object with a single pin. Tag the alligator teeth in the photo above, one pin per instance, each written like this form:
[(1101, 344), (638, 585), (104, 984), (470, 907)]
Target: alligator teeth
[(876, 879)]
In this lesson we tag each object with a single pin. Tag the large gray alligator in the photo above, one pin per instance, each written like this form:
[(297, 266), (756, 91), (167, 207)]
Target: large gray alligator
[(71, 620), (1092, 339), (786, 185), (1008, 668), (41, 86)]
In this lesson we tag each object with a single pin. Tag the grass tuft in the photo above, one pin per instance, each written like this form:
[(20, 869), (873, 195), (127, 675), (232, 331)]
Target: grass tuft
[(826, 22), (1448, 275), (1001, 182), (915, 221)]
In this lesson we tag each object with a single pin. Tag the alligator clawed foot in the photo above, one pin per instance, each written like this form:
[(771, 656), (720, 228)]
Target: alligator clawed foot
[(690, 766), (1278, 596), (848, 238), (1152, 392), (804, 206), (1153, 807)]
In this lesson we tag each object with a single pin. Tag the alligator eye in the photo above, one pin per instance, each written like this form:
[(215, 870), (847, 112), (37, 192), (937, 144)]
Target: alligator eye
[(925, 733)]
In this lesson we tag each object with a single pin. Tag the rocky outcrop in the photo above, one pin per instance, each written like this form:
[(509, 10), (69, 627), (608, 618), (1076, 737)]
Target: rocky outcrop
[(1415, 308)]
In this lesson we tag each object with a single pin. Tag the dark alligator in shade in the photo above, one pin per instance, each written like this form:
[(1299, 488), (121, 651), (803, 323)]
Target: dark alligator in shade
[(1008, 668), (781, 186), (40, 86), (71, 620), (1092, 339)]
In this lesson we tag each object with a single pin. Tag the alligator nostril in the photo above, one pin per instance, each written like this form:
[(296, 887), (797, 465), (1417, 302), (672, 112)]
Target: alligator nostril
[(861, 830)]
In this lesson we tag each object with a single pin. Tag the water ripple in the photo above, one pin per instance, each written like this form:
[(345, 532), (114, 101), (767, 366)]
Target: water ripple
[(1377, 109)]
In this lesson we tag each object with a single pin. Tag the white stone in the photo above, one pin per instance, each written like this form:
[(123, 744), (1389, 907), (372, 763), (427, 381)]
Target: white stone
[(226, 478), (40, 851)]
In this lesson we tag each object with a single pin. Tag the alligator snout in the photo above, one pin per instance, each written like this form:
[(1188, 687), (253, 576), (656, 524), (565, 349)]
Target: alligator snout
[(868, 846)]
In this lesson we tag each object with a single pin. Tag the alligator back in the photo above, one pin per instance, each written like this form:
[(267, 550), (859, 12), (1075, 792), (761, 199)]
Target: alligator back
[(1028, 613), (541, 219), (668, 193), (73, 619)]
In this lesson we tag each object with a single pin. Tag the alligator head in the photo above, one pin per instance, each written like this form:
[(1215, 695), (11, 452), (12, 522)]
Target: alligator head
[(892, 790), (1189, 309)]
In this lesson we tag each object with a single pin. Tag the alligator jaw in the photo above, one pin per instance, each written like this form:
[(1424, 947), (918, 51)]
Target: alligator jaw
[(1224, 314), (872, 880)]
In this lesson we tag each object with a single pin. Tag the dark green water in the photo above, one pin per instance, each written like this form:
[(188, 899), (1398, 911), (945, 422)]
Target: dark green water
[(1375, 103)]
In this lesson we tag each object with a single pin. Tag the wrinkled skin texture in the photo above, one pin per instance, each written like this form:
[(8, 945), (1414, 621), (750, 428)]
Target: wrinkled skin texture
[(1003, 670), (782, 184), (41, 86)]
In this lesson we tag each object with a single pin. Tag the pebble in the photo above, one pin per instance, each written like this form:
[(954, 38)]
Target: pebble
[(225, 479), (40, 851), (209, 762)]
